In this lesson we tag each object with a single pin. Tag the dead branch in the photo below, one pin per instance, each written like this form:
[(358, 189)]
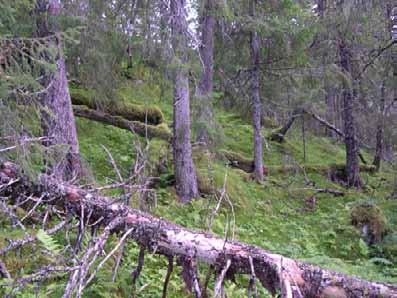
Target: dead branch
[(190, 274), (221, 277), (13, 244), (170, 268), (135, 274)]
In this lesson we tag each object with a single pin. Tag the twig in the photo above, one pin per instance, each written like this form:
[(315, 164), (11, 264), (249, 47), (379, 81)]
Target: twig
[(18, 243), (121, 241), (135, 274), (221, 277), (170, 268), (3, 270), (252, 282), (111, 159)]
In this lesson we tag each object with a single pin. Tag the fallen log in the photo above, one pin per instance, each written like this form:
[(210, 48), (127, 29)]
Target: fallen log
[(278, 274), (132, 112), (145, 130), (236, 160)]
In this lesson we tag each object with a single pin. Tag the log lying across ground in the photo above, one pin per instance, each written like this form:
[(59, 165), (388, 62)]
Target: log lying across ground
[(247, 165), (277, 273), (151, 131), (151, 115)]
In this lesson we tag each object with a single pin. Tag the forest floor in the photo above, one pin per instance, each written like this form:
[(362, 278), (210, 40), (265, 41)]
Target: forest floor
[(284, 214)]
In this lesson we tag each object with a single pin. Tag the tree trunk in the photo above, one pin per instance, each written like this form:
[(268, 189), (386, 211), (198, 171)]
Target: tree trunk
[(278, 274), (57, 117), (185, 174), (393, 28), (256, 100), (205, 117), (348, 95), (380, 130)]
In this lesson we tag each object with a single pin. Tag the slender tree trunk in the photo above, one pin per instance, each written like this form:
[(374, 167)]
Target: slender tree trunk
[(348, 95), (205, 117), (380, 130), (57, 118), (185, 174), (256, 101), (393, 28)]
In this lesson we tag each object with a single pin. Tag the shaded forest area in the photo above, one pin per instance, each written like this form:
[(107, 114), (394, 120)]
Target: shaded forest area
[(198, 148)]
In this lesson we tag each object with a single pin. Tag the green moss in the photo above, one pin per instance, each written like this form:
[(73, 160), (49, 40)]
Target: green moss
[(370, 220), (132, 112)]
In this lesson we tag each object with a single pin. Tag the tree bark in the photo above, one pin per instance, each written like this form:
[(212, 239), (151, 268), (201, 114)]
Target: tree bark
[(205, 116), (380, 130), (185, 174), (348, 95), (256, 100), (278, 274), (57, 115)]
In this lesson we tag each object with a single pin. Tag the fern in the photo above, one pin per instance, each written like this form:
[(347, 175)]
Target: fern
[(48, 242)]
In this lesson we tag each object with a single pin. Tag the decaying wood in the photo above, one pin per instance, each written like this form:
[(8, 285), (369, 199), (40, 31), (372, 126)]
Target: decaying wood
[(276, 272), (137, 127), (146, 114), (236, 160)]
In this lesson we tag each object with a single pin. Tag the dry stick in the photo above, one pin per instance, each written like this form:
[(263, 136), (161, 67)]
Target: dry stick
[(170, 268), (111, 159), (18, 243), (11, 214), (118, 261), (3, 270), (33, 209), (24, 140), (135, 274), (252, 281), (207, 281), (77, 278), (46, 272), (189, 274), (221, 277), (120, 243)]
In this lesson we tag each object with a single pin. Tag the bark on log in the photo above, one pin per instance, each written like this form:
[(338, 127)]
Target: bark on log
[(151, 131), (277, 273)]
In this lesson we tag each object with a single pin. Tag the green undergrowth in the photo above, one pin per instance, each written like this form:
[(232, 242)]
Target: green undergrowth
[(279, 215)]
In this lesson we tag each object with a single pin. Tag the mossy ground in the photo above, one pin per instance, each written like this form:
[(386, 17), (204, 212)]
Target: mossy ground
[(274, 215)]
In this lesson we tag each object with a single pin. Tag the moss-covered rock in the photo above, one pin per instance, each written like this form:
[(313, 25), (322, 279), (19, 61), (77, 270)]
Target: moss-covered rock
[(370, 220)]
